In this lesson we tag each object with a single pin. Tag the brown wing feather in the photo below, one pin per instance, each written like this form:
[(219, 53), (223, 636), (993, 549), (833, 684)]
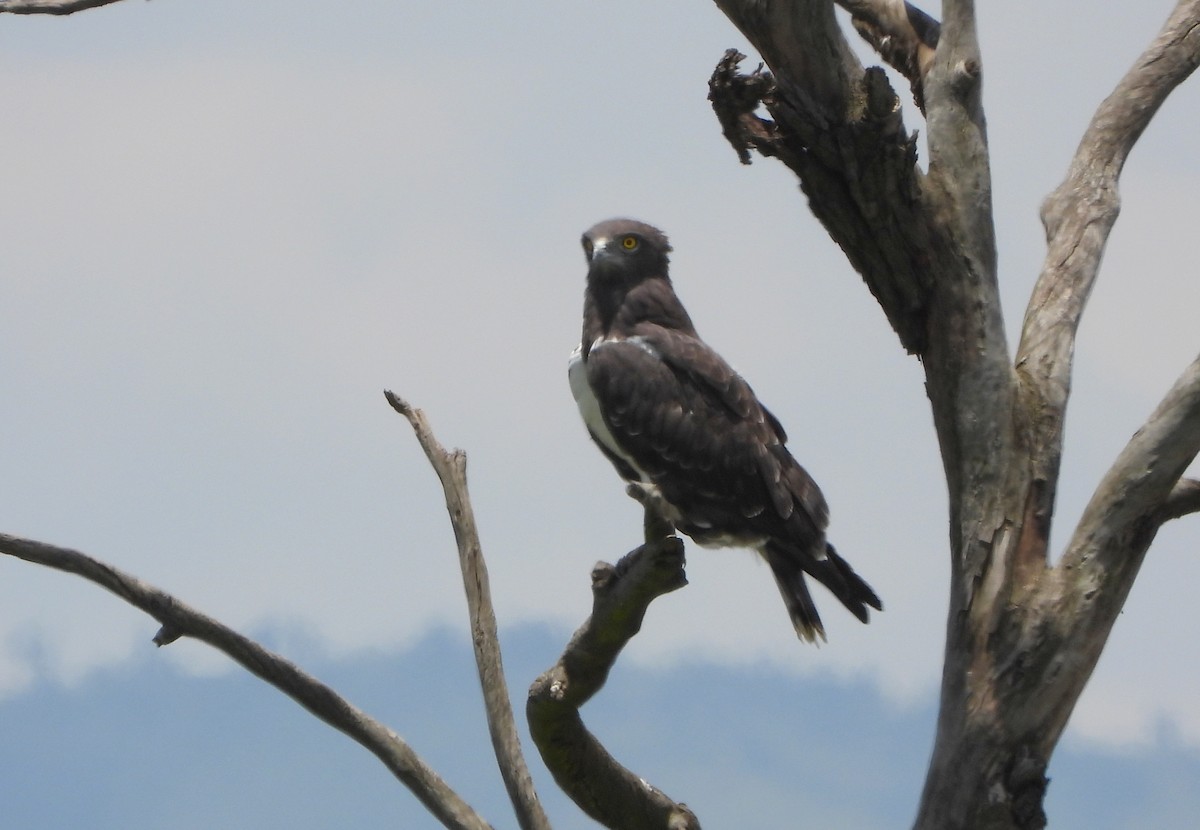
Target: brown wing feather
[(694, 425)]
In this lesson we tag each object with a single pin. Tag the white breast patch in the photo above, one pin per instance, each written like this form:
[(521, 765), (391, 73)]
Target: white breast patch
[(589, 407)]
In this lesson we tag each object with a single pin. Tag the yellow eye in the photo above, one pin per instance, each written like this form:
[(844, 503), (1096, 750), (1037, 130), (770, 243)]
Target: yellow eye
[(629, 243)]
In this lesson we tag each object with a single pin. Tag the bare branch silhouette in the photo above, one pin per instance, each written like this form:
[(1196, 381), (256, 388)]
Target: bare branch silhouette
[(50, 6), (181, 620)]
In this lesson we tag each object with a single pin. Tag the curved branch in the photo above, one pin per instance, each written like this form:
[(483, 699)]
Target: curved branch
[(451, 469), (50, 6), (1078, 217), (597, 782), (181, 620)]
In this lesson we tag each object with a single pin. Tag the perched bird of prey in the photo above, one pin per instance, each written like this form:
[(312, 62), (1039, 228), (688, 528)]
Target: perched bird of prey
[(677, 421)]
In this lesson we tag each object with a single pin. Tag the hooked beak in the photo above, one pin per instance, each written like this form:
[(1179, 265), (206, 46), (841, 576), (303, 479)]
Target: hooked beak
[(598, 249)]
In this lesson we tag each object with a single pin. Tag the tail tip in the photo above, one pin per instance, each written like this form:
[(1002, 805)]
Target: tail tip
[(810, 632)]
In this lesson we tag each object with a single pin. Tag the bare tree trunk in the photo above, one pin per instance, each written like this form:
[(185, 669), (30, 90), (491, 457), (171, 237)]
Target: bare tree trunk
[(1022, 636)]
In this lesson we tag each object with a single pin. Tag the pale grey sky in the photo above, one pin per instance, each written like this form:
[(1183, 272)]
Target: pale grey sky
[(227, 227)]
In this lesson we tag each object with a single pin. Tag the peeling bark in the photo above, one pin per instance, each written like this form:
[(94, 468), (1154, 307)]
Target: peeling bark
[(902, 34), (860, 177)]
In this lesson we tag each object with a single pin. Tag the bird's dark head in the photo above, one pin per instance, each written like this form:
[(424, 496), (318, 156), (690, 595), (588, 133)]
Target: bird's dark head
[(627, 282), (623, 252)]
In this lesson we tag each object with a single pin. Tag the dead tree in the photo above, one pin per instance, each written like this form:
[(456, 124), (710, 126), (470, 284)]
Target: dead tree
[(1023, 634)]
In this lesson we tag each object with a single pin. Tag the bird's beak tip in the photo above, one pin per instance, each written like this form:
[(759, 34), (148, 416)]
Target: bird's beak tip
[(598, 250)]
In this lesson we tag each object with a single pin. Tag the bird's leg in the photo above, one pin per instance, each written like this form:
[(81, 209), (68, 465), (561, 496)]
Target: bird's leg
[(656, 525)]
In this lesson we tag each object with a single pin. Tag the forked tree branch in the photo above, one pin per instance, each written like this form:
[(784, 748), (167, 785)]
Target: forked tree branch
[(902, 34), (1078, 217), (1062, 618), (840, 129), (49, 6), (181, 620), (451, 469), (595, 781)]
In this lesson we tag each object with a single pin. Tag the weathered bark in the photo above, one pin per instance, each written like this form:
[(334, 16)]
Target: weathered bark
[(1183, 499), (1020, 650), (902, 34), (1022, 636), (595, 781), (840, 129)]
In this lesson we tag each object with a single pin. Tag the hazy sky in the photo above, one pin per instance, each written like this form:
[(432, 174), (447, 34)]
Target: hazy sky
[(227, 227)]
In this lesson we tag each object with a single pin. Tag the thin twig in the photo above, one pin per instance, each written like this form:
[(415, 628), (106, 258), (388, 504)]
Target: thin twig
[(451, 469), (181, 620)]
